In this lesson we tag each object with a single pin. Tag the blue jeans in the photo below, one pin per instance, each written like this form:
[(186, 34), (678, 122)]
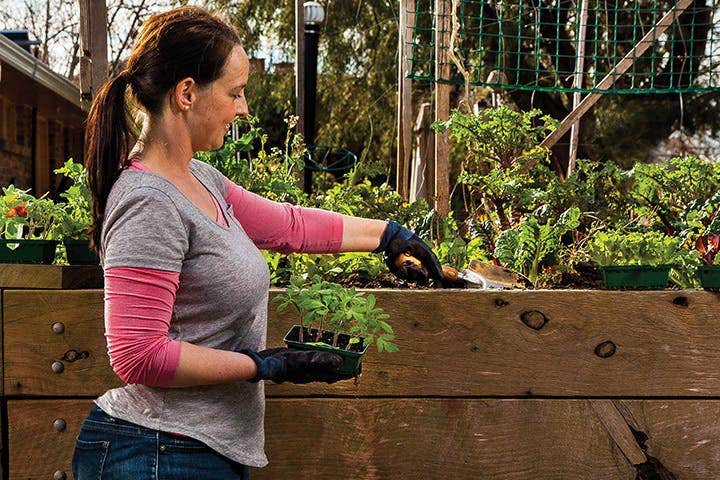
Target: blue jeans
[(108, 448)]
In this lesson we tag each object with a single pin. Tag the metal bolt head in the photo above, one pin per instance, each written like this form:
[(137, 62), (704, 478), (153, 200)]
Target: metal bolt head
[(57, 367), (60, 424), (58, 327), (59, 475)]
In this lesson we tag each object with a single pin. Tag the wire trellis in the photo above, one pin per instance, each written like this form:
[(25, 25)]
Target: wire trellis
[(533, 45)]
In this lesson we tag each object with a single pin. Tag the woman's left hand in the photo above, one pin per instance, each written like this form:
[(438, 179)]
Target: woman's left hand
[(408, 257)]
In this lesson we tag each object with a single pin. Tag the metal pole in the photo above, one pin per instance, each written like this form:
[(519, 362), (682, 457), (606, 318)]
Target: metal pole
[(300, 69), (312, 34), (578, 83)]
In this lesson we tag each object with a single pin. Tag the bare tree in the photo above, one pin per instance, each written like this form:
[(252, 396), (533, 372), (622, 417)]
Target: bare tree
[(56, 24)]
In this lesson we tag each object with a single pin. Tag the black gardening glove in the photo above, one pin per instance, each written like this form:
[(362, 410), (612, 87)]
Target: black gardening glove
[(398, 240), (296, 366)]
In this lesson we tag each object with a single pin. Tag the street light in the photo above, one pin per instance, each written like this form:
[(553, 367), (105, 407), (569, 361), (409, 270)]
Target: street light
[(314, 15)]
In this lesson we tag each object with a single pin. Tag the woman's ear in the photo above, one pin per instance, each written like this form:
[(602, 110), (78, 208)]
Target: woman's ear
[(184, 95)]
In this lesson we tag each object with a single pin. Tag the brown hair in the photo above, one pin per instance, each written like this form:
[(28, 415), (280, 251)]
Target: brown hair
[(183, 42)]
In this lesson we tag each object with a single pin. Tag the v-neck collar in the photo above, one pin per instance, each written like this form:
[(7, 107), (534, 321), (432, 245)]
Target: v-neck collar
[(143, 168)]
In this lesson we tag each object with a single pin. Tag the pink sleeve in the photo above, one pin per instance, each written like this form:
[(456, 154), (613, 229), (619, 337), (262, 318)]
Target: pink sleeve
[(283, 227), (138, 308)]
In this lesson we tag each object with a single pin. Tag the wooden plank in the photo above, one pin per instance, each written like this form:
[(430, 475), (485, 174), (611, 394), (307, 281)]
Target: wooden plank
[(50, 276), (452, 343), (34, 346), (421, 438), (620, 68), (443, 11), (619, 430), (405, 121), (36, 448), (41, 162)]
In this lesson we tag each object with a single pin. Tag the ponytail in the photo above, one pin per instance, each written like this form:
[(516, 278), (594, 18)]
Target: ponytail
[(107, 141), (183, 42)]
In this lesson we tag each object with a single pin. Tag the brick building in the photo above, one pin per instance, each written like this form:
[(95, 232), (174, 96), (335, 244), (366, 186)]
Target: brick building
[(41, 122)]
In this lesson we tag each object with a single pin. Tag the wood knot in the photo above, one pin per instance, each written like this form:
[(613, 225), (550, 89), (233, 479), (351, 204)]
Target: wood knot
[(499, 302), (681, 302), (534, 319), (605, 349), (73, 355), (474, 348)]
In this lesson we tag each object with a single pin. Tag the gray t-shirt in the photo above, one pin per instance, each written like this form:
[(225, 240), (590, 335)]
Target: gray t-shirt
[(221, 303)]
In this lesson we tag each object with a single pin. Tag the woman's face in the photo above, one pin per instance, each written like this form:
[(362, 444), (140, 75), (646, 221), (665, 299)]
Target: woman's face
[(218, 103)]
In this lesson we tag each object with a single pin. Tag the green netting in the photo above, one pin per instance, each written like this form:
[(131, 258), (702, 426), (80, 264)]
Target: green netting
[(533, 45)]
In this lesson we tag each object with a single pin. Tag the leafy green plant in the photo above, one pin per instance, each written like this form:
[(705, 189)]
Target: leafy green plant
[(534, 244), (325, 305), (23, 216), (77, 219), (675, 193), (633, 248), (505, 168)]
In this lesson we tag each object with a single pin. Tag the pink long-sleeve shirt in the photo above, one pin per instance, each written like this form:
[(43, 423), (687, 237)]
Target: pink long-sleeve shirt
[(139, 301)]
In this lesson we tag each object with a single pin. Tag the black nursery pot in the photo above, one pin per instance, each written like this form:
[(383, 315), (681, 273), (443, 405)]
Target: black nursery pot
[(352, 358), (79, 253), (27, 251)]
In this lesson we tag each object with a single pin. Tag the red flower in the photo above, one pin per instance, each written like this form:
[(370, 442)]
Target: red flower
[(21, 210)]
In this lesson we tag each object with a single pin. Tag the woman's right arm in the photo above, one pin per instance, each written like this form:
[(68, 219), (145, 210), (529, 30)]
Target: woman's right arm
[(138, 309)]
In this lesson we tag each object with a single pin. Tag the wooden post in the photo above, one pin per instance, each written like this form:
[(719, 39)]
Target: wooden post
[(578, 83), (93, 46), (404, 139), (422, 167), (441, 195), (620, 68)]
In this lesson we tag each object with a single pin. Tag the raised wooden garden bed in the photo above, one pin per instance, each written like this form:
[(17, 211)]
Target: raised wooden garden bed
[(504, 385)]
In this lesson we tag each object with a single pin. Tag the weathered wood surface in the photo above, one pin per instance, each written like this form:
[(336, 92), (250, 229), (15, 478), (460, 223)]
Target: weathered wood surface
[(454, 438), (50, 276), (33, 345), (452, 343), (36, 448)]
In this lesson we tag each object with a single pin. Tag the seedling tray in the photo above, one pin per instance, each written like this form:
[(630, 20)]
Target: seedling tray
[(79, 253), (352, 359), (635, 277), (709, 276), (27, 251)]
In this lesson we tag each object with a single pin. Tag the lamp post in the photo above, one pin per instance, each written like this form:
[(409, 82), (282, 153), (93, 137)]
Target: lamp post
[(314, 15)]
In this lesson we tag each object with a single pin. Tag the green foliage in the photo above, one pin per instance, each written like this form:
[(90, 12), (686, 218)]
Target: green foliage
[(504, 164), (76, 221), (325, 305), (599, 190), (274, 175), (535, 242), (24, 216), (670, 192), (633, 248)]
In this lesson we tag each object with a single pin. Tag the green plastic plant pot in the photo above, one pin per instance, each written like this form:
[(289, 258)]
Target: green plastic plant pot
[(351, 359), (709, 276), (636, 277), (79, 253), (28, 251)]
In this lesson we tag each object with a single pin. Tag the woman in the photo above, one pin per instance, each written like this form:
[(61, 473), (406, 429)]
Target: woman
[(186, 287)]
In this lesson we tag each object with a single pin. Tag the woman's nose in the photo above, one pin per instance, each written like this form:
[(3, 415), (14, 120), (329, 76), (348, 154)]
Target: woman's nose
[(242, 110)]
